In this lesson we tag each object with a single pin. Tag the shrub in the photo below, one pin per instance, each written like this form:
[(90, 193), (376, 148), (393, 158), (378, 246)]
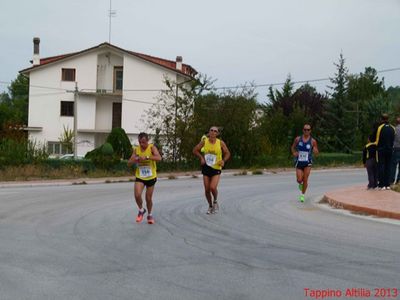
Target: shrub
[(21, 151), (120, 143), (103, 157)]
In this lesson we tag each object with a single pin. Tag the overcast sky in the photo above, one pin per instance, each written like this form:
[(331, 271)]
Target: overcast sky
[(235, 42)]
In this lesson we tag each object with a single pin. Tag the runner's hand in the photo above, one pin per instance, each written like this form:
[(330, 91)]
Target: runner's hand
[(202, 161), (221, 163)]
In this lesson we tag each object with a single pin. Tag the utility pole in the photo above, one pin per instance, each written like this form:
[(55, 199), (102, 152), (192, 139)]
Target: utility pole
[(76, 120), (176, 118)]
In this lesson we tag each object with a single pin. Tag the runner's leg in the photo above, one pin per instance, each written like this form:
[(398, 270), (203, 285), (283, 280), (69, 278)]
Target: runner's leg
[(299, 175), (306, 174), (206, 181), (149, 198), (213, 186), (139, 186)]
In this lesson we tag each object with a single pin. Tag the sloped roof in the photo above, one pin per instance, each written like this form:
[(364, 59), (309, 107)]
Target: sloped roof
[(169, 64)]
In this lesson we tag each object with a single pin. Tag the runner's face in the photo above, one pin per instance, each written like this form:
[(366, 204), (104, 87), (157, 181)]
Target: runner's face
[(213, 132), (143, 142), (306, 130)]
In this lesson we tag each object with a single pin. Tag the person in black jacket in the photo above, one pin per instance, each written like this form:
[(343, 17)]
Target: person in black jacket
[(369, 161), (384, 142)]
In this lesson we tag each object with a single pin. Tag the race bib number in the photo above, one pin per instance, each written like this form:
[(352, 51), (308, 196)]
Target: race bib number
[(211, 159), (303, 156), (145, 171)]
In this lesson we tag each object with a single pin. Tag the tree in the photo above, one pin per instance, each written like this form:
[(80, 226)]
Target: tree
[(14, 105), (281, 99), (237, 114), (338, 125), (393, 93), (287, 114), (171, 115), (363, 89)]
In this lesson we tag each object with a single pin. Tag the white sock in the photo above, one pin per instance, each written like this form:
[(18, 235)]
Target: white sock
[(141, 210)]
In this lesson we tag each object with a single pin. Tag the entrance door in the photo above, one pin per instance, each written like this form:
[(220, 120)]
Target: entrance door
[(116, 114)]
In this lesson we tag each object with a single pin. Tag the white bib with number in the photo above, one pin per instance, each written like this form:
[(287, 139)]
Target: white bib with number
[(145, 171), (303, 156), (211, 159)]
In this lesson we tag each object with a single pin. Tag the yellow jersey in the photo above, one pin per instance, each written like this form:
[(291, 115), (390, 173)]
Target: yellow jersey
[(213, 153), (147, 169)]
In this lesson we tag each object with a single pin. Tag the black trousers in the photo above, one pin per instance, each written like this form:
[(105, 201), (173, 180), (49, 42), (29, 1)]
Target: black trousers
[(384, 163), (372, 171)]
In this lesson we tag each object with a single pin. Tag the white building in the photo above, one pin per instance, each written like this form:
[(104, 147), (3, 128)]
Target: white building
[(114, 89)]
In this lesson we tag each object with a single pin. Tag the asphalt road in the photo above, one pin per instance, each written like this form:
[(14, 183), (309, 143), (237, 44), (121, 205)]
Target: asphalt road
[(82, 242)]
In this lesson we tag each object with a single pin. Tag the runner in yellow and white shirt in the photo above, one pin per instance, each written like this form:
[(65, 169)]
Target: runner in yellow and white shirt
[(212, 159), (145, 157)]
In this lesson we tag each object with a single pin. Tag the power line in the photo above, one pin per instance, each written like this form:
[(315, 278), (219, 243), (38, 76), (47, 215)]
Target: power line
[(35, 86), (215, 88), (293, 82), (140, 101)]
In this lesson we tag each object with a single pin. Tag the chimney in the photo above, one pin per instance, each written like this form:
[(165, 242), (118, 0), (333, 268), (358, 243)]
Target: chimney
[(36, 56), (179, 63)]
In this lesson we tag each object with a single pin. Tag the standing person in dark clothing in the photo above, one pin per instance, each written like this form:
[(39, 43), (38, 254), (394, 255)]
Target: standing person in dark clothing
[(384, 142), (369, 161), (396, 155)]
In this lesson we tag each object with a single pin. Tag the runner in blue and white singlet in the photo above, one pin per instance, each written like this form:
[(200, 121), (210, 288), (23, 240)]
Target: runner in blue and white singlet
[(305, 152), (303, 148)]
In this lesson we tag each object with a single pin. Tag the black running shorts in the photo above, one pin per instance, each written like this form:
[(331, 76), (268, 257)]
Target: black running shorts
[(147, 183), (208, 171)]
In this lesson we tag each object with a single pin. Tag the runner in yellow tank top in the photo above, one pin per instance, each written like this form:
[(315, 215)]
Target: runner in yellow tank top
[(145, 157), (216, 153)]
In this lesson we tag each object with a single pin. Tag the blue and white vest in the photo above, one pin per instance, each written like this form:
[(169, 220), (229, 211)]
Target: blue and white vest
[(305, 150)]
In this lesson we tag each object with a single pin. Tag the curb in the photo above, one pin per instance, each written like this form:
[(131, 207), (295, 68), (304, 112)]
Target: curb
[(363, 206), (162, 176)]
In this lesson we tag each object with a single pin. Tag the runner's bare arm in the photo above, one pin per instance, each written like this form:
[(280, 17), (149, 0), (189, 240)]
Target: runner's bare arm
[(293, 148), (196, 151), (155, 154), (315, 147), (226, 154), (133, 159)]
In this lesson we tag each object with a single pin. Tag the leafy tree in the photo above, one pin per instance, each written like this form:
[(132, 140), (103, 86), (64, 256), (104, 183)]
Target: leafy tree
[(363, 89), (173, 112), (14, 105), (393, 94), (237, 114)]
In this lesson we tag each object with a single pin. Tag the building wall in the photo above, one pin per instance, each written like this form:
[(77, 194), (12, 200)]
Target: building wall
[(140, 75), (104, 113), (45, 103), (94, 71), (105, 70)]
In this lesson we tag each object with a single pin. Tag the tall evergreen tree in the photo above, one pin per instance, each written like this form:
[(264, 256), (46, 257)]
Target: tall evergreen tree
[(338, 122)]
